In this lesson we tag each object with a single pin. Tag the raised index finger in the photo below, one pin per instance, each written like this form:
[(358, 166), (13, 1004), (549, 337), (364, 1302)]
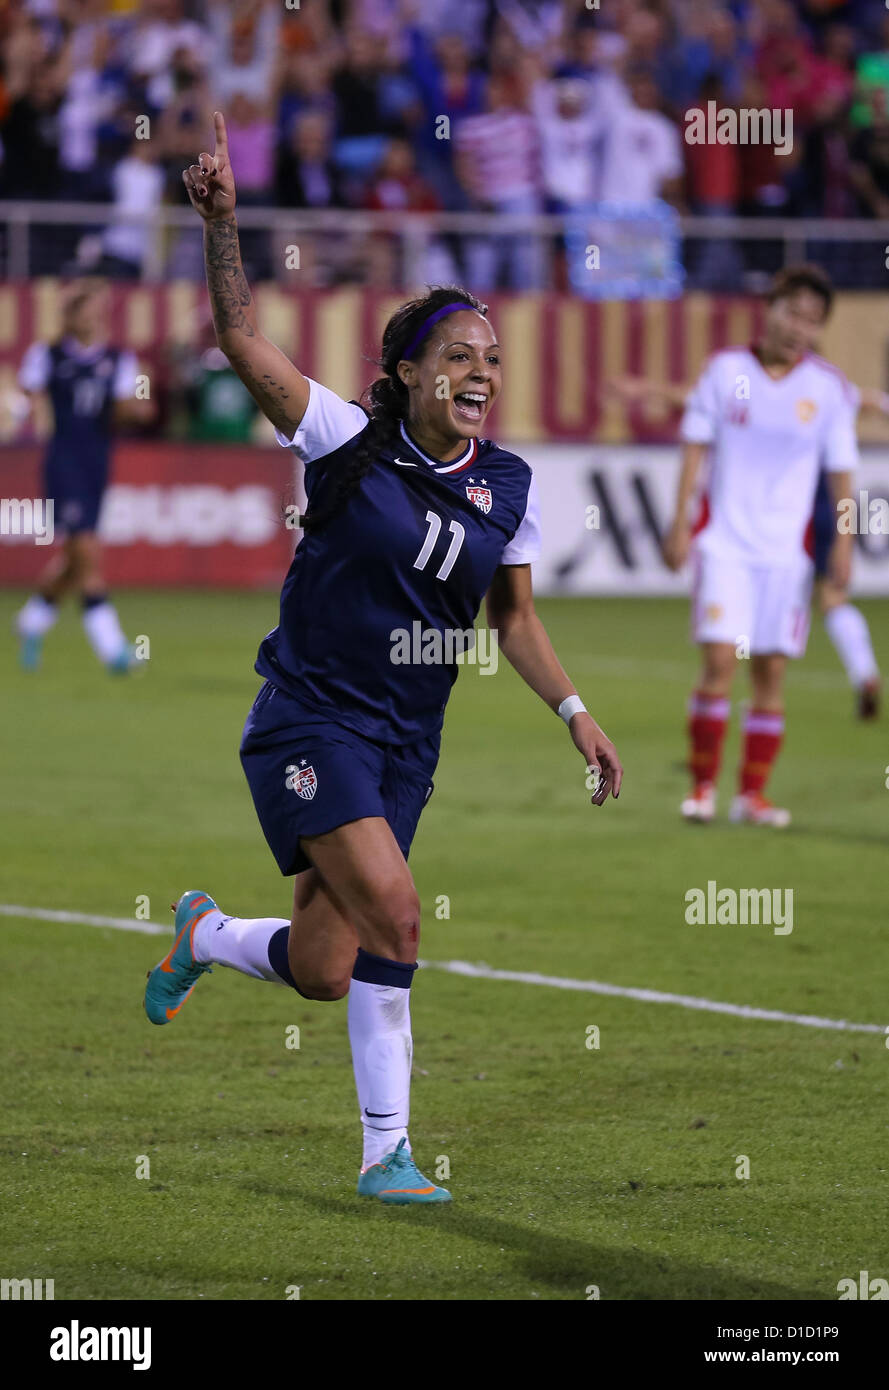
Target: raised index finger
[(221, 136)]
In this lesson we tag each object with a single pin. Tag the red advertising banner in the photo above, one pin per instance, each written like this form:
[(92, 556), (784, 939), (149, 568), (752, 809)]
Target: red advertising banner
[(177, 515), (561, 354)]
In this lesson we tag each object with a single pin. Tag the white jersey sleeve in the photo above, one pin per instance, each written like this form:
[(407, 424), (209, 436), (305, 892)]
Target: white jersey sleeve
[(124, 388), (329, 422), (700, 421), (525, 544), (840, 440), (34, 371)]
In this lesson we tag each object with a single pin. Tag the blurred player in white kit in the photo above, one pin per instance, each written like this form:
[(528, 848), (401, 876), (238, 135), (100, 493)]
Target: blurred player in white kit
[(767, 419)]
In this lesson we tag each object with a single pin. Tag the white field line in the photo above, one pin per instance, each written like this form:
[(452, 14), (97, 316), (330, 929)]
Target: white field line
[(85, 919), (649, 996), (485, 972)]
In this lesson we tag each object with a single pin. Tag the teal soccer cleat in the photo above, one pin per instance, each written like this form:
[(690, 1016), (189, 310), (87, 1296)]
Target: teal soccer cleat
[(125, 661), (172, 980), (30, 651), (397, 1180)]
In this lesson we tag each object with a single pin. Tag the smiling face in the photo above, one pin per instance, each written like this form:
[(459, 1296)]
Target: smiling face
[(454, 382)]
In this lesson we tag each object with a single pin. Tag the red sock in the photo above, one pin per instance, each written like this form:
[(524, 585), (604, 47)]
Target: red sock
[(707, 723), (763, 733)]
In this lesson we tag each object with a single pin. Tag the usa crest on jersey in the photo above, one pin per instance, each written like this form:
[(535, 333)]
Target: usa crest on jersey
[(302, 780), (481, 497)]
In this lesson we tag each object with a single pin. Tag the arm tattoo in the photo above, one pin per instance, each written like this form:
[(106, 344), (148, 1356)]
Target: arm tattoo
[(270, 395), (230, 296), (234, 320)]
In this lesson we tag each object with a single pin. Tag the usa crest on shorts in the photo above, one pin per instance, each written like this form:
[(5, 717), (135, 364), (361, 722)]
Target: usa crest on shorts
[(481, 497), (301, 779)]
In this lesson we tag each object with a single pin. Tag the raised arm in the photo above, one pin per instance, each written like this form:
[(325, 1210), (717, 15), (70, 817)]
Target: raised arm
[(635, 389), (279, 389)]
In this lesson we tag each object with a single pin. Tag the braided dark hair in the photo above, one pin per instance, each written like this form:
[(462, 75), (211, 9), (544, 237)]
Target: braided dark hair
[(385, 400)]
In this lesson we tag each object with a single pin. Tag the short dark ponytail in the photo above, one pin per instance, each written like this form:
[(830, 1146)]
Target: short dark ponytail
[(386, 399)]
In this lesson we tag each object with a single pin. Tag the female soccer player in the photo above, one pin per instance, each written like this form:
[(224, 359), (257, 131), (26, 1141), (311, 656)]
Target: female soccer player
[(91, 386), (846, 625), (767, 419), (412, 519)]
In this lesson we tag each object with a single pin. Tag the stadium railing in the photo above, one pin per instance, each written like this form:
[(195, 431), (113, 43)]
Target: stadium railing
[(336, 246)]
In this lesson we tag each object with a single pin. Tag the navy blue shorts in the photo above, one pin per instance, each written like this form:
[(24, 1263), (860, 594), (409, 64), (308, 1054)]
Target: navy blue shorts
[(77, 502), (308, 775), (824, 526)]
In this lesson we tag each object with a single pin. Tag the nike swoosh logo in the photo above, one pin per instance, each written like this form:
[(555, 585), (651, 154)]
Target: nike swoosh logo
[(374, 1115), (171, 1013), (165, 965), (401, 463)]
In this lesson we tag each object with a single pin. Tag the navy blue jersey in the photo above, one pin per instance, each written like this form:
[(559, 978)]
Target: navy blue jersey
[(824, 525), (374, 599), (82, 384)]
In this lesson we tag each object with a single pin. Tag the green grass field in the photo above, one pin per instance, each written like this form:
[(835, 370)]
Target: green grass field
[(570, 1166)]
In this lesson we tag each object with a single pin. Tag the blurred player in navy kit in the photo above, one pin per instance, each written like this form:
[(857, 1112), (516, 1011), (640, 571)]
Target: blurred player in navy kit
[(91, 387)]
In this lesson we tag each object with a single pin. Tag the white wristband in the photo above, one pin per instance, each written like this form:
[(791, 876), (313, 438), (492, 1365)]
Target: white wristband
[(571, 705)]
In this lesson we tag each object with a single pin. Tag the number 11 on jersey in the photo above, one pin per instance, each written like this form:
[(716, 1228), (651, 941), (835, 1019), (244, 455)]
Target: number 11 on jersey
[(457, 536)]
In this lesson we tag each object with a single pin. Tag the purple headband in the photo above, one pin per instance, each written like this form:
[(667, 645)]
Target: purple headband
[(428, 323)]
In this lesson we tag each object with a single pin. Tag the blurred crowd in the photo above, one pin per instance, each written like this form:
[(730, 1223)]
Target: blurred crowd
[(503, 106)]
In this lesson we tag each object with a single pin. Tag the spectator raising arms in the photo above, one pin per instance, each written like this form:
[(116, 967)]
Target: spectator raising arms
[(506, 107), (568, 128), (643, 149)]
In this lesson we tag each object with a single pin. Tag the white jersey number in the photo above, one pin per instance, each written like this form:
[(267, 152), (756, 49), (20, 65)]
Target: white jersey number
[(89, 396), (457, 537)]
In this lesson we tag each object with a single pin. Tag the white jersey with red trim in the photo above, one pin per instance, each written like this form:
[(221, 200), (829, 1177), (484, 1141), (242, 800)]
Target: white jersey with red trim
[(769, 440)]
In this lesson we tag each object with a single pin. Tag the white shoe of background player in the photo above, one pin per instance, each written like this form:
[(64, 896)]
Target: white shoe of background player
[(701, 805), (755, 809)]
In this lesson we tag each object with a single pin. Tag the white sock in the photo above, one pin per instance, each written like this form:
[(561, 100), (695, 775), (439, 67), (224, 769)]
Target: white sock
[(848, 631), (37, 617), (102, 627), (241, 943), (382, 1051)]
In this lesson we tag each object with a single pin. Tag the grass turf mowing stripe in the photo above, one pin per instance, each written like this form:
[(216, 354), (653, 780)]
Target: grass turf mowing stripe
[(485, 972)]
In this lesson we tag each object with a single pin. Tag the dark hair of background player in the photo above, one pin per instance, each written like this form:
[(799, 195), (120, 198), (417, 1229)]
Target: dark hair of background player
[(802, 277)]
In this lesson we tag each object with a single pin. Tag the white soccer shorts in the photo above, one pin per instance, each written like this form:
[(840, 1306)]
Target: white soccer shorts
[(757, 608)]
